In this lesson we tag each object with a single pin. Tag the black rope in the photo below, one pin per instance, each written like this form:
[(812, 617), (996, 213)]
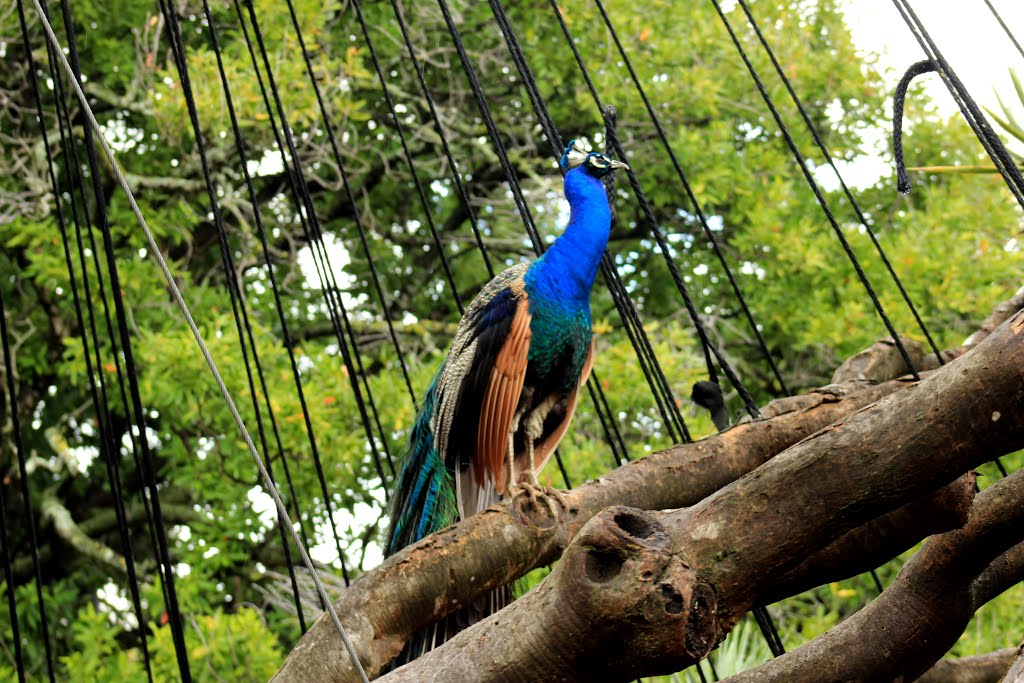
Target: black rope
[(821, 146), (240, 149), (979, 124), (708, 347), (709, 233), (798, 157), (74, 169), (108, 449), (26, 495), (12, 605), (238, 307), (310, 222), (846, 190), (903, 183), (385, 308), (1009, 34), (649, 364), (427, 212), (968, 107), (764, 620), (148, 461), (439, 129), (306, 212)]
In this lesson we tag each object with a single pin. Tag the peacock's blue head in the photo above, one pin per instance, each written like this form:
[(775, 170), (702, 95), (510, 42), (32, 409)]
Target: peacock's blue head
[(593, 163)]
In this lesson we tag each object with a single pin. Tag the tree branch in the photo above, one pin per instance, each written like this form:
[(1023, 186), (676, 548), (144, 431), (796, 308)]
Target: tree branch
[(986, 668), (920, 616)]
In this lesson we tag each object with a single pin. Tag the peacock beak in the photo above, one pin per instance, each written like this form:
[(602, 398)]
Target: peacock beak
[(619, 164)]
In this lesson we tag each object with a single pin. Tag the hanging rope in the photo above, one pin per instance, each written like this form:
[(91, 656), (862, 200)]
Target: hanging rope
[(798, 157), (176, 293), (26, 495), (336, 308), (708, 232), (73, 171), (968, 107), (903, 183), (12, 605), (328, 125), (846, 190)]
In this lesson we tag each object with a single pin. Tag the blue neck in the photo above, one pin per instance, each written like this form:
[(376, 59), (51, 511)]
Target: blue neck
[(572, 261)]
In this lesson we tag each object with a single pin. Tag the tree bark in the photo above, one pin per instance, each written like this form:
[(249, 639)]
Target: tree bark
[(1016, 672), (870, 545), (986, 668), (654, 592), (920, 616)]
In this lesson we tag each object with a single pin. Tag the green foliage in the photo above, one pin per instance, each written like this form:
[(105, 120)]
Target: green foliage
[(950, 241)]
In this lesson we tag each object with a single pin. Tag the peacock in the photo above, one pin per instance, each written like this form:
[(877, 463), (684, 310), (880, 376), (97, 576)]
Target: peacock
[(504, 396)]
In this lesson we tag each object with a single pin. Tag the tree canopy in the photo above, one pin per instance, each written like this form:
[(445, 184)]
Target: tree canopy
[(952, 241)]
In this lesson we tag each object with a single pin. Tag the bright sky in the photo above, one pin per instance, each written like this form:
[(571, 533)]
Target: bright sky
[(965, 31)]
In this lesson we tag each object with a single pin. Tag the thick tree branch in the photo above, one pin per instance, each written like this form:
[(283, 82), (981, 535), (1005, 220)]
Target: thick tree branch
[(1016, 672), (868, 546), (429, 580), (986, 668), (921, 615), (654, 592)]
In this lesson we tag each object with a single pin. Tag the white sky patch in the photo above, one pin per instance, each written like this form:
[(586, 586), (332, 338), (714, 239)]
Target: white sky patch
[(272, 162), (972, 42)]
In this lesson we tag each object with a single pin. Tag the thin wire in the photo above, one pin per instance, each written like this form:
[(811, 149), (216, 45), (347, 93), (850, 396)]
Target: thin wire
[(180, 301), (1009, 34), (798, 157), (846, 190), (109, 451), (234, 291)]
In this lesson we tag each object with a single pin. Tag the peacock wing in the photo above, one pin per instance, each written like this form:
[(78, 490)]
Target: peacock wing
[(501, 399), (543, 450), (486, 339)]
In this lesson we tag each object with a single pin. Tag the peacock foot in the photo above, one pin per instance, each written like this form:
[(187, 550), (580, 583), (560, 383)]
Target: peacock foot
[(531, 500)]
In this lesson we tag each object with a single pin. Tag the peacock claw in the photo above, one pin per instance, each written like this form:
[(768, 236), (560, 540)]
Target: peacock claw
[(536, 497)]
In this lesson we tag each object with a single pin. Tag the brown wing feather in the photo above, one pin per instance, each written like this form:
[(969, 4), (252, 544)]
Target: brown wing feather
[(501, 400), (545, 448)]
